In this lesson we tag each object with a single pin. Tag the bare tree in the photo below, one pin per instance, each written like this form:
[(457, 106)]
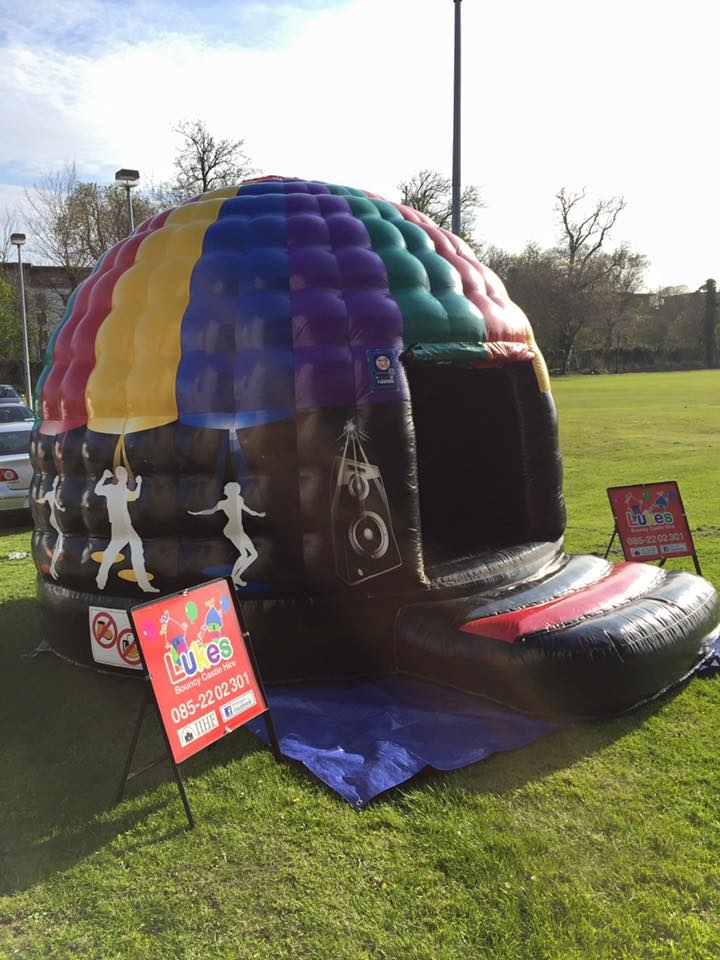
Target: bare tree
[(431, 193), (203, 163), (499, 260), (52, 223), (624, 278), (671, 327), (535, 281), (583, 235), (578, 293), (71, 224), (74, 222), (8, 221), (588, 271)]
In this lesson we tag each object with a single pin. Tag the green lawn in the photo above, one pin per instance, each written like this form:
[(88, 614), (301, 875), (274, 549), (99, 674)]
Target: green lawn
[(601, 841)]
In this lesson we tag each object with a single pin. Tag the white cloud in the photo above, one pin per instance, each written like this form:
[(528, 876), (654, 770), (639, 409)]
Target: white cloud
[(617, 97)]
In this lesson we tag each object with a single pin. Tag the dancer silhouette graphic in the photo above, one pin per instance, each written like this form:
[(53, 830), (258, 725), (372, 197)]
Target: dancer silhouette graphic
[(122, 533), (233, 506), (51, 499)]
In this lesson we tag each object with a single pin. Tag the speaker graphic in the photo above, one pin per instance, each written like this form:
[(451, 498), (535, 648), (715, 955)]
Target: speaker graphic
[(363, 538)]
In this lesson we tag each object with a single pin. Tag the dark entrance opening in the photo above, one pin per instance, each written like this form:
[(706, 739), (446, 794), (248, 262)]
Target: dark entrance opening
[(489, 469)]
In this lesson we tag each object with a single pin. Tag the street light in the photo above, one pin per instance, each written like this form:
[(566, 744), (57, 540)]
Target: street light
[(129, 179), (18, 239)]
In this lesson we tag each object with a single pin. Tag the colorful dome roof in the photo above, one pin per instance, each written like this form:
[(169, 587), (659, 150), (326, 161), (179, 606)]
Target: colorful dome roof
[(249, 303)]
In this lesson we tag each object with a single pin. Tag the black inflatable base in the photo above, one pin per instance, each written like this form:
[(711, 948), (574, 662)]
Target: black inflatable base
[(591, 640), (294, 639), (570, 637)]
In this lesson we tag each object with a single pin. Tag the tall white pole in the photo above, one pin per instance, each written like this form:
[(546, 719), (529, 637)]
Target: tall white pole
[(456, 190), (131, 218), (129, 179), (23, 312)]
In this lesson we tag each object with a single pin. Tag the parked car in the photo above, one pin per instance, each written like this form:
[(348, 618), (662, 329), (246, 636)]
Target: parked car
[(15, 469), (9, 394), (15, 413)]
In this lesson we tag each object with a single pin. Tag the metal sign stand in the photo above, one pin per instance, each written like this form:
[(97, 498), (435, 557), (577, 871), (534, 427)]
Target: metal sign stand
[(129, 774), (269, 725), (612, 541), (149, 697)]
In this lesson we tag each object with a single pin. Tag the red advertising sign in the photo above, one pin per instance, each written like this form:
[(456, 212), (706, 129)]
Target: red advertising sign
[(650, 521), (199, 665)]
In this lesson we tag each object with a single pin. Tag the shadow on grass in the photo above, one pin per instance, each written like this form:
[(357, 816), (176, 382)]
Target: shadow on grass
[(559, 750), (66, 733), (15, 521)]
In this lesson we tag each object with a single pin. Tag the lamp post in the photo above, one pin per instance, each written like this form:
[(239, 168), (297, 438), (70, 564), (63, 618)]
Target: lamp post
[(18, 239), (455, 207), (129, 179)]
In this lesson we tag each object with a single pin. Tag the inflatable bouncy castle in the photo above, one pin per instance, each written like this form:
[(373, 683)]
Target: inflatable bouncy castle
[(327, 398)]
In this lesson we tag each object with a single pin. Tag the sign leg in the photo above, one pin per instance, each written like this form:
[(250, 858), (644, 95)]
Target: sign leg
[(183, 794), (133, 743), (128, 773), (272, 736), (175, 767), (609, 546)]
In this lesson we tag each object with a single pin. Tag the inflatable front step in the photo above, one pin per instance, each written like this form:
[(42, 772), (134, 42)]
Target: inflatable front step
[(593, 639)]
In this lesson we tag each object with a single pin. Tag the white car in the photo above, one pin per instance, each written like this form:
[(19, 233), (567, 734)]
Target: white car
[(9, 394), (15, 413), (15, 468)]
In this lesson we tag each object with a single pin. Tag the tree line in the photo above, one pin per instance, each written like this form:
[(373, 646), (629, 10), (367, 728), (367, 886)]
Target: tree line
[(582, 295)]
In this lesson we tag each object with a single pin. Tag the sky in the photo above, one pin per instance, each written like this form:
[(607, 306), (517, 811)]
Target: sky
[(618, 98)]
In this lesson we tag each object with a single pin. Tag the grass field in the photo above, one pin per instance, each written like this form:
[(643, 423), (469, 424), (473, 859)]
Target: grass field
[(599, 842)]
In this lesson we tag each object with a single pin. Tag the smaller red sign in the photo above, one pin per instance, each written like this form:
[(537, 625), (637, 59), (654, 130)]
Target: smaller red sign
[(199, 666), (650, 521)]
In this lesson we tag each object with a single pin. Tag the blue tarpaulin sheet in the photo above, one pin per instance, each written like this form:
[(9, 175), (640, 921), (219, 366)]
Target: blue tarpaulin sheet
[(712, 663), (363, 738)]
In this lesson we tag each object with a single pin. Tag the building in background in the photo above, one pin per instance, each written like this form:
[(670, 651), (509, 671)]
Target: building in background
[(47, 291)]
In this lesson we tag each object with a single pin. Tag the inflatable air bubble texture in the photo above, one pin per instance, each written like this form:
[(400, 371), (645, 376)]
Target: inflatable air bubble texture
[(327, 398)]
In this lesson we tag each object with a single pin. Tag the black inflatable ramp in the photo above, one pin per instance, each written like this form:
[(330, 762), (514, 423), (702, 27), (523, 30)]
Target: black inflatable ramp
[(593, 639)]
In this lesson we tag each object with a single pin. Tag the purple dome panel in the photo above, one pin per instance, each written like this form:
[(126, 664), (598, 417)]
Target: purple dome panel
[(374, 317), (307, 229), (324, 377), (320, 316), (313, 267)]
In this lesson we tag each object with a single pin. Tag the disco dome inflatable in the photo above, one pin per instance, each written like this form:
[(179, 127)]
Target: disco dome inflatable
[(324, 396)]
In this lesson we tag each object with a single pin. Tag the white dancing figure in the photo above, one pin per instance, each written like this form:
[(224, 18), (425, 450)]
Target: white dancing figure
[(51, 499), (233, 506), (122, 534)]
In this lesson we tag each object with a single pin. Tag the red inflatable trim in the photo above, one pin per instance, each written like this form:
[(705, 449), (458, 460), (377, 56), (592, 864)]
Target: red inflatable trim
[(625, 582)]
